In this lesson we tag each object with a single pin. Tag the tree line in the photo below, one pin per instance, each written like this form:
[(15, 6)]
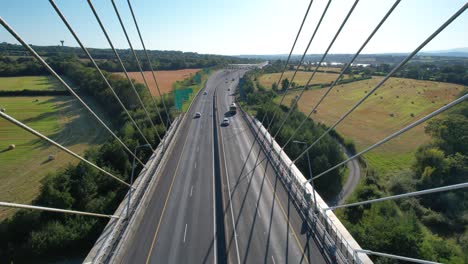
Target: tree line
[(160, 60)]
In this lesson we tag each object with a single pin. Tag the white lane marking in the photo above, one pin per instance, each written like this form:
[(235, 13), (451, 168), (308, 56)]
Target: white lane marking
[(258, 211), (185, 232), (215, 253), (230, 200), (272, 258), (195, 164), (198, 148), (191, 190)]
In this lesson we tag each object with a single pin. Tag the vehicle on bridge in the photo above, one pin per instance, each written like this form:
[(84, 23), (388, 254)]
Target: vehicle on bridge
[(225, 122), (233, 109)]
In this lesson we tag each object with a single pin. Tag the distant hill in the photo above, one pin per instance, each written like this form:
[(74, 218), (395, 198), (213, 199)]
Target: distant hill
[(390, 58), (458, 52)]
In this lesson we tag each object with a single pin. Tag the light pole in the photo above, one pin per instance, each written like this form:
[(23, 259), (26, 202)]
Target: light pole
[(133, 171), (310, 174)]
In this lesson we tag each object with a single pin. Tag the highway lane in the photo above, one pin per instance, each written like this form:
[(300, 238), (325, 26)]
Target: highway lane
[(262, 226), (179, 224)]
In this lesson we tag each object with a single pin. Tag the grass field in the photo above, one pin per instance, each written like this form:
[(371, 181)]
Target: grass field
[(23, 168), (29, 83), (381, 114), (165, 79), (301, 78)]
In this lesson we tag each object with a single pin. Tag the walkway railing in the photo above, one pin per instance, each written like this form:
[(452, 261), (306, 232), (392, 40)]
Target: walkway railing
[(335, 241)]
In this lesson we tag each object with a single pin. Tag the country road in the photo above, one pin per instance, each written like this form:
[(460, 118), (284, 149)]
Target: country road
[(354, 175)]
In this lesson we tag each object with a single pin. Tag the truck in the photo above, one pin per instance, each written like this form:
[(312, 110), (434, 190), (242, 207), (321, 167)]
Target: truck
[(233, 109)]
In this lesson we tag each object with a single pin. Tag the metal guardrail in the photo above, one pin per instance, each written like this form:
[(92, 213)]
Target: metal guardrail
[(333, 238)]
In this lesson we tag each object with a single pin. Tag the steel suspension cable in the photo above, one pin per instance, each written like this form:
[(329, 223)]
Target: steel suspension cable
[(401, 64), (296, 100), (404, 195), (294, 44), (123, 67), (289, 85), (342, 73), (100, 72), (137, 61), (38, 134), (150, 64), (283, 122), (397, 133), (47, 66), (302, 59), (284, 69), (56, 210)]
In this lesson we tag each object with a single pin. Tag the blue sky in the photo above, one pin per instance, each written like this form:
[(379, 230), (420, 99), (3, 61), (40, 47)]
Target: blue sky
[(240, 26)]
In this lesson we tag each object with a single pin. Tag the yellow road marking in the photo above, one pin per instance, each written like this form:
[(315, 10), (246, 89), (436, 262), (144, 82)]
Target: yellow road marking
[(287, 219), (284, 213), (165, 203)]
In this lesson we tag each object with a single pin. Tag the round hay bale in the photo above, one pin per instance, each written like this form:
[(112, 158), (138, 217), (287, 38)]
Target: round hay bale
[(51, 157), (11, 146), (3, 110)]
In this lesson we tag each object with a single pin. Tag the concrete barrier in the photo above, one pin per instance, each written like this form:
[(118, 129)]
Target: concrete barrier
[(110, 242), (329, 232), (118, 232)]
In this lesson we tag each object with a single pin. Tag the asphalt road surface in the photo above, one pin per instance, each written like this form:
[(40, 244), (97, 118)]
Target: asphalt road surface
[(263, 225), (352, 181), (208, 207)]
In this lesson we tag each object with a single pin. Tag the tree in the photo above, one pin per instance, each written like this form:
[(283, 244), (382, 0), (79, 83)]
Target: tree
[(274, 87), (284, 84)]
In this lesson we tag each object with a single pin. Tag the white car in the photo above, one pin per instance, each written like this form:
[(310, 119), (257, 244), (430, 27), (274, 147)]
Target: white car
[(225, 122), (197, 115)]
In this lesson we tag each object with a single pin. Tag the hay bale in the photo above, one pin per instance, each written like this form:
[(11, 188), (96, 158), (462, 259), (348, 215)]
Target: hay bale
[(51, 157), (3, 110), (11, 147), (392, 114), (412, 115)]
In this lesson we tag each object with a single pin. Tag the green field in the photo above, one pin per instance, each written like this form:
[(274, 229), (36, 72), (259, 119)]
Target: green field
[(300, 79), (23, 168), (29, 83), (397, 103)]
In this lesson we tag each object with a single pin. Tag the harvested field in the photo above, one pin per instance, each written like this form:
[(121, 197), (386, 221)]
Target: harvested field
[(165, 79), (396, 104), (301, 78)]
